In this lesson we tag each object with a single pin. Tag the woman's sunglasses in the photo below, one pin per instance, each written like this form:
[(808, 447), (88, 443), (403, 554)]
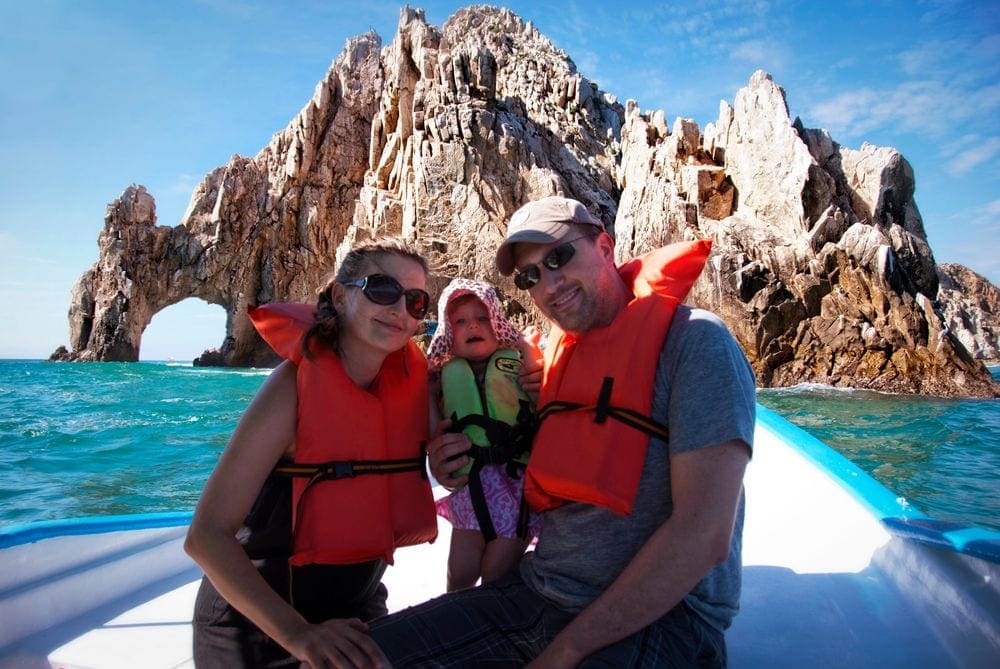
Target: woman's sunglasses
[(384, 290), (526, 277)]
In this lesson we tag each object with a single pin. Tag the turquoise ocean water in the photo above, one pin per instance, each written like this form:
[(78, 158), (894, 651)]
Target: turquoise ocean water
[(115, 438)]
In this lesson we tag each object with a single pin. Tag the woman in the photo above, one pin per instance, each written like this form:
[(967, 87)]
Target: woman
[(286, 544)]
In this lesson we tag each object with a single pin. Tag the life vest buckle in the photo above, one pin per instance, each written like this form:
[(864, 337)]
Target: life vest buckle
[(343, 469), (338, 469)]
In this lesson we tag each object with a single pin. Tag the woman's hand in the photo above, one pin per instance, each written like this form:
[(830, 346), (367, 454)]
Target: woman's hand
[(340, 643), (440, 451)]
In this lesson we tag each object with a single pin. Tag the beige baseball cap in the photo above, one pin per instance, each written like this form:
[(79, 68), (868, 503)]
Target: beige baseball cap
[(542, 222)]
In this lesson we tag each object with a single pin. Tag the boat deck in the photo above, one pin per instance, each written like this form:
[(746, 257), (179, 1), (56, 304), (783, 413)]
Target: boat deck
[(825, 584)]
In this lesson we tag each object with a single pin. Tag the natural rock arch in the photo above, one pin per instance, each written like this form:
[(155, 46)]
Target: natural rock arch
[(183, 331), (820, 266), (255, 230)]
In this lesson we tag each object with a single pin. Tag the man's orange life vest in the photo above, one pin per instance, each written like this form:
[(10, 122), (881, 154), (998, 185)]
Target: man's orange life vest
[(597, 389), (342, 511)]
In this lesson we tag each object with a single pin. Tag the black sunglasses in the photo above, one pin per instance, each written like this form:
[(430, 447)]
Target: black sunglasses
[(526, 277), (384, 290)]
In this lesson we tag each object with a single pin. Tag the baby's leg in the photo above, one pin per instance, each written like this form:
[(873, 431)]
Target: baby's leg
[(501, 556), (465, 559)]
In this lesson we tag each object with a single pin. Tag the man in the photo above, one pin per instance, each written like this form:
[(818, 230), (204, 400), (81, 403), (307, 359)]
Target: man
[(638, 560)]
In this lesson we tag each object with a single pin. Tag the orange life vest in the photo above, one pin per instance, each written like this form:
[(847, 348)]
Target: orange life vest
[(597, 389), (342, 512)]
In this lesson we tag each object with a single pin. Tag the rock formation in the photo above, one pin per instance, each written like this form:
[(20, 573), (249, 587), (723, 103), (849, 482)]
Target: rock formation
[(971, 307), (820, 267)]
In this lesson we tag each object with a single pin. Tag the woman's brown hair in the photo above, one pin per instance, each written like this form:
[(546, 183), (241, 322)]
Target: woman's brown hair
[(326, 329)]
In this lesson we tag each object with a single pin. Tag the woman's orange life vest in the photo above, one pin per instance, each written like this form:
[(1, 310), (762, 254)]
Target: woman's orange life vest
[(352, 515), (597, 389)]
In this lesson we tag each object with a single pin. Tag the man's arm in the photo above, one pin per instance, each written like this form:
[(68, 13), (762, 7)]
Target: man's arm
[(706, 485)]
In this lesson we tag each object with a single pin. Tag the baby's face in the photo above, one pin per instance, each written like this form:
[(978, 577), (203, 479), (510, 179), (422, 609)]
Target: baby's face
[(472, 334)]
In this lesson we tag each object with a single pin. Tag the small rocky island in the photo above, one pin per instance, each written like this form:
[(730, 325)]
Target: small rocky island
[(820, 264)]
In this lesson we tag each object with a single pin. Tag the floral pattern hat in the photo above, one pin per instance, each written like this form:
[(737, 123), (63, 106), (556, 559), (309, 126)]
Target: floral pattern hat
[(440, 348)]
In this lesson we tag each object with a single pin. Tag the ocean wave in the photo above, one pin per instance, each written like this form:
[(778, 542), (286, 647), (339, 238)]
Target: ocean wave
[(228, 371), (820, 389)]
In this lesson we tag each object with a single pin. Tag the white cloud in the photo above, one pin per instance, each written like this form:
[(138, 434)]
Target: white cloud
[(944, 85), (32, 288), (238, 9), (913, 106), (588, 64), (843, 64), (984, 100), (938, 11), (990, 47), (843, 111), (718, 27), (986, 216), (971, 158), (185, 184), (954, 147), (976, 246), (15, 258), (929, 57), (760, 54)]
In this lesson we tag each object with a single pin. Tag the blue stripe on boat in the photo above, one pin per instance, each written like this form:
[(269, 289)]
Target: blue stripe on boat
[(26, 533)]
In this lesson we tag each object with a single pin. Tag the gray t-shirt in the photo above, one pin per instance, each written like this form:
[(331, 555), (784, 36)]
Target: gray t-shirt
[(582, 548)]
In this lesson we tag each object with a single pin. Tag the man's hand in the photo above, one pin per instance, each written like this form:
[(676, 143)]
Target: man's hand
[(555, 657), (531, 361), (440, 451)]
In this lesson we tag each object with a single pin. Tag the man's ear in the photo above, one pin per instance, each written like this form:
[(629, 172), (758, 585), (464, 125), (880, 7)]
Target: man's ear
[(607, 246)]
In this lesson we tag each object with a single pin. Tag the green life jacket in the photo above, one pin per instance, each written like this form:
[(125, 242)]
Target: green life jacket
[(501, 433)]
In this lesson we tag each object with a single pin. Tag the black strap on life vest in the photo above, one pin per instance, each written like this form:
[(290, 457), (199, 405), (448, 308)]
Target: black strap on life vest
[(344, 469), (494, 455), (479, 505), (507, 443), (603, 410)]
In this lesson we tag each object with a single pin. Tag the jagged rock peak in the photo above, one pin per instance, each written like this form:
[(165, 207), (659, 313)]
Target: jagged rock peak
[(820, 263), (971, 307)]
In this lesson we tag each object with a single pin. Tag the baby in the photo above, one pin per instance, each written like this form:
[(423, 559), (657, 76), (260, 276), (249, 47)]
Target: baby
[(475, 358)]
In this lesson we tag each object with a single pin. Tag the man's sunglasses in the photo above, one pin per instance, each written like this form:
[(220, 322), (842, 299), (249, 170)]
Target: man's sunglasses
[(527, 277), (384, 290)]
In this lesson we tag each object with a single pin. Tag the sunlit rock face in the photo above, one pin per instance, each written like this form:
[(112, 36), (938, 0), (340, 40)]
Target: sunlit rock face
[(820, 263), (971, 307)]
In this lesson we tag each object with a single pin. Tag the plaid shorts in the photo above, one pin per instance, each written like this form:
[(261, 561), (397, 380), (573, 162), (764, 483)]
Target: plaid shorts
[(505, 624)]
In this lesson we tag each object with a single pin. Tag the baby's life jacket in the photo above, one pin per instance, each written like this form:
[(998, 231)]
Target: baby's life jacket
[(497, 416), (499, 419), (360, 486), (597, 390)]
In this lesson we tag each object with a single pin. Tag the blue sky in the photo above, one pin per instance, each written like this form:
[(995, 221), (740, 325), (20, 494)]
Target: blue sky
[(95, 96)]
